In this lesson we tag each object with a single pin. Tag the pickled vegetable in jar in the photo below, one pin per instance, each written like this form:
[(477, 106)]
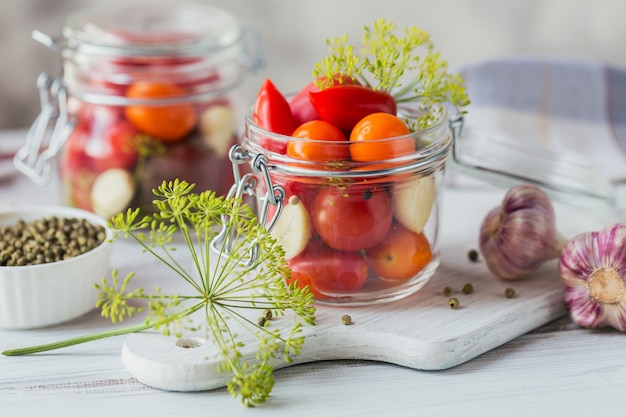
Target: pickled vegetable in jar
[(149, 92), (354, 232)]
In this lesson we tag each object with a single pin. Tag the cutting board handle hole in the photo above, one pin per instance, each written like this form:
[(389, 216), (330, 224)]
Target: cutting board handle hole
[(189, 342)]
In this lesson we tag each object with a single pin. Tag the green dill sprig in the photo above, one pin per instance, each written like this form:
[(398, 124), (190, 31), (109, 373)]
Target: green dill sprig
[(407, 67), (113, 298), (223, 287)]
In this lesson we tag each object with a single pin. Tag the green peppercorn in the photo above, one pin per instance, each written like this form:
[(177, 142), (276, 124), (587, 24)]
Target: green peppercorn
[(509, 292), (453, 303), (468, 288), (346, 320), (473, 255), (447, 291), (47, 240)]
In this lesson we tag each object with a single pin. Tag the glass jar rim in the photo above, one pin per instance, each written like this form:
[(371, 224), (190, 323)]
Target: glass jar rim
[(151, 28), (423, 157)]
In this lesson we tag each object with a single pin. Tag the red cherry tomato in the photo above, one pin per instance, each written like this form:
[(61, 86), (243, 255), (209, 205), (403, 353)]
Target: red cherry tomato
[(117, 147), (169, 123), (401, 255), (344, 105), (327, 271), (272, 112), (320, 148), (102, 139), (371, 138), (300, 104), (352, 218), (76, 169)]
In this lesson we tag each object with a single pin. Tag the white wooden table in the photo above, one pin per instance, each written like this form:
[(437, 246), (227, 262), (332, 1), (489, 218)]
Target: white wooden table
[(558, 369)]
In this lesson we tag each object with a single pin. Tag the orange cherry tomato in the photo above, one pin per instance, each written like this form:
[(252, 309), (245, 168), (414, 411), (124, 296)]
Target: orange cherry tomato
[(401, 255), (376, 137), (318, 149), (171, 122)]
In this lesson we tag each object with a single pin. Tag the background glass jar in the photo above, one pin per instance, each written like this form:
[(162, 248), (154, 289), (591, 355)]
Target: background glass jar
[(355, 232), (149, 92)]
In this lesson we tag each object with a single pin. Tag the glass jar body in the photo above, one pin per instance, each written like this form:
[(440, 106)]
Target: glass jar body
[(355, 233), (147, 94)]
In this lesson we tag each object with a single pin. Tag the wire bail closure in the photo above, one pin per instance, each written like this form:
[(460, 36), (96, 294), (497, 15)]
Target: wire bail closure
[(244, 185), (48, 133)]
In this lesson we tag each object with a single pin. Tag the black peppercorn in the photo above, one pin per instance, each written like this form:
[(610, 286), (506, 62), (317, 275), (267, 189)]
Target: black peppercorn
[(468, 288)]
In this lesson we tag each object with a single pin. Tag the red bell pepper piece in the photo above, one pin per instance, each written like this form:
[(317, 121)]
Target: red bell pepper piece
[(301, 107), (345, 104), (272, 112)]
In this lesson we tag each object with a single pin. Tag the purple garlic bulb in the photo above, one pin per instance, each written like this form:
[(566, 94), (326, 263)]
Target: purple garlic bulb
[(520, 235), (593, 269)]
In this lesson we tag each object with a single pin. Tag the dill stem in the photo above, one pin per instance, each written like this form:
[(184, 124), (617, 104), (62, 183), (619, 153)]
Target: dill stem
[(97, 336), (174, 265)]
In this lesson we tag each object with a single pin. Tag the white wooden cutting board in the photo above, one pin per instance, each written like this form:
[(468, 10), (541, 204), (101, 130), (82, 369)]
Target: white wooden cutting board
[(419, 332)]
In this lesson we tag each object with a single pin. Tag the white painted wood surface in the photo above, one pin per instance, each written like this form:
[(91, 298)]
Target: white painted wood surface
[(419, 332), (558, 369)]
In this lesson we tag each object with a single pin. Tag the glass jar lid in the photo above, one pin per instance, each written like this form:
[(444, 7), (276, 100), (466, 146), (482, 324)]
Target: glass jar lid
[(150, 28)]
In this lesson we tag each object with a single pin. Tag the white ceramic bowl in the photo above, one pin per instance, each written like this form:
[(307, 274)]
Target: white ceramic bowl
[(42, 295)]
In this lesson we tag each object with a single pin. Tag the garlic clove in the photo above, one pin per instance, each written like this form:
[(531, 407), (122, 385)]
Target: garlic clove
[(293, 228), (412, 202), (592, 267), (217, 126), (112, 192), (520, 235)]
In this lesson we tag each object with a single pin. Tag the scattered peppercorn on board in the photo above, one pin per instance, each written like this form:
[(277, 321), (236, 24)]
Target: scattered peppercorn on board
[(423, 331)]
